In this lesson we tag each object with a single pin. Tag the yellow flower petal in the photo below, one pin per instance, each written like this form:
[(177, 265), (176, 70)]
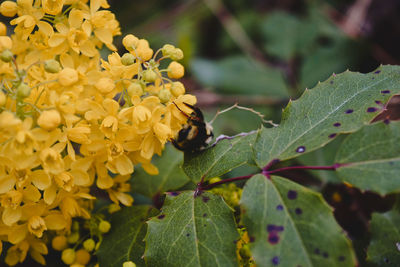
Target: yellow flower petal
[(55, 222), (11, 216), (41, 179)]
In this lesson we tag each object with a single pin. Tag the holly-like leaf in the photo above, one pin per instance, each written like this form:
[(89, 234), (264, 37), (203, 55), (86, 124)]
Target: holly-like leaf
[(221, 158), (238, 75), (373, 154), (290, 225), (170, 177), (125, 240), (342, 104), (192, 231), (384, 249)]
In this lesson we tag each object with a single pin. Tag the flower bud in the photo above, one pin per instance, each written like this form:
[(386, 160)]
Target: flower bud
[(68, 77), (175, 70), (112, 208), (89, 244), (3, 29), (49, 119), (6, 55), (176, 54), (23, 90), (135, 89), (149, 75), (52, 66), (59, 242), (105, 85), (5, 43), (104, 226), (177, 89), (75, 226), (68, 256), (164, 95), (73, 238), (143, 50), (3, 98), (167, 49), (129, 264), (8, 8), (128, 59), (130, 42), (82, 257)]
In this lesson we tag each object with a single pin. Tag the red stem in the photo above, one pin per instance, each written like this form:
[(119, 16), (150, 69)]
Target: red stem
[(267, 174)]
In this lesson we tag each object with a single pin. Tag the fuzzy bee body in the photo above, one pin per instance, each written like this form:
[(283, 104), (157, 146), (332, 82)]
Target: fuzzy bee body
[(196, 134)]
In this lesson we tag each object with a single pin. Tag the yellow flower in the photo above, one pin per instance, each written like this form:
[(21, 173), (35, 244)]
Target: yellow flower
[(51, 160), (68, 77), (36, 226), (5, 43), (52, 7), (17, 253)]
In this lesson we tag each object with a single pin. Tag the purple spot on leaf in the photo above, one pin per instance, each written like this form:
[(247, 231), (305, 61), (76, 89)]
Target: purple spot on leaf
[(385, 91), (371, 109), (279, 207), (275, 260), (174, 194), (298, 211), (205, 199), (252, 239), (332, 135), (377, 72), (337, 124), (378, 102), (274, 228), (205, 215), (349, 111), (300, 149), (161, 216), (325, 254), (386, 260), (341, 258), (273, 238), (331, 82), (187, 234), (316, 251), (292, 194), (386, 121)]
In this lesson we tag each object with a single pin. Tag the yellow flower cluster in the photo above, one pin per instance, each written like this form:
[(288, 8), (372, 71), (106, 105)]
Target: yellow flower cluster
[(71, 121)]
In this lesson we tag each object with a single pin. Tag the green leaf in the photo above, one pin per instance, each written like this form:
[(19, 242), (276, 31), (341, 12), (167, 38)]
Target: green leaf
[(291, 225), (238, 75), (338, 105), (385, 239), (290, 37), (192, 232), (374, 157), (170, 177), (219, 159), (125, 240)]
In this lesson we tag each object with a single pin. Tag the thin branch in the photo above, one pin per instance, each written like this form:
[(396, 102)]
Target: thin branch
[(235, 30)]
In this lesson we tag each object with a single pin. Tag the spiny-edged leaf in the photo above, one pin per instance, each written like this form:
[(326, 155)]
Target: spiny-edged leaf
[(374, 157), (125, 240), (384, 249), (290, 225), (238, 75), (221, 158), (342, 104), (170, 177), (192, 231), (323, 157)]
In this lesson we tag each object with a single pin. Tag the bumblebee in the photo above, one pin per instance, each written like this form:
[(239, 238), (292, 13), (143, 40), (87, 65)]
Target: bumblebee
[(196, 134)]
